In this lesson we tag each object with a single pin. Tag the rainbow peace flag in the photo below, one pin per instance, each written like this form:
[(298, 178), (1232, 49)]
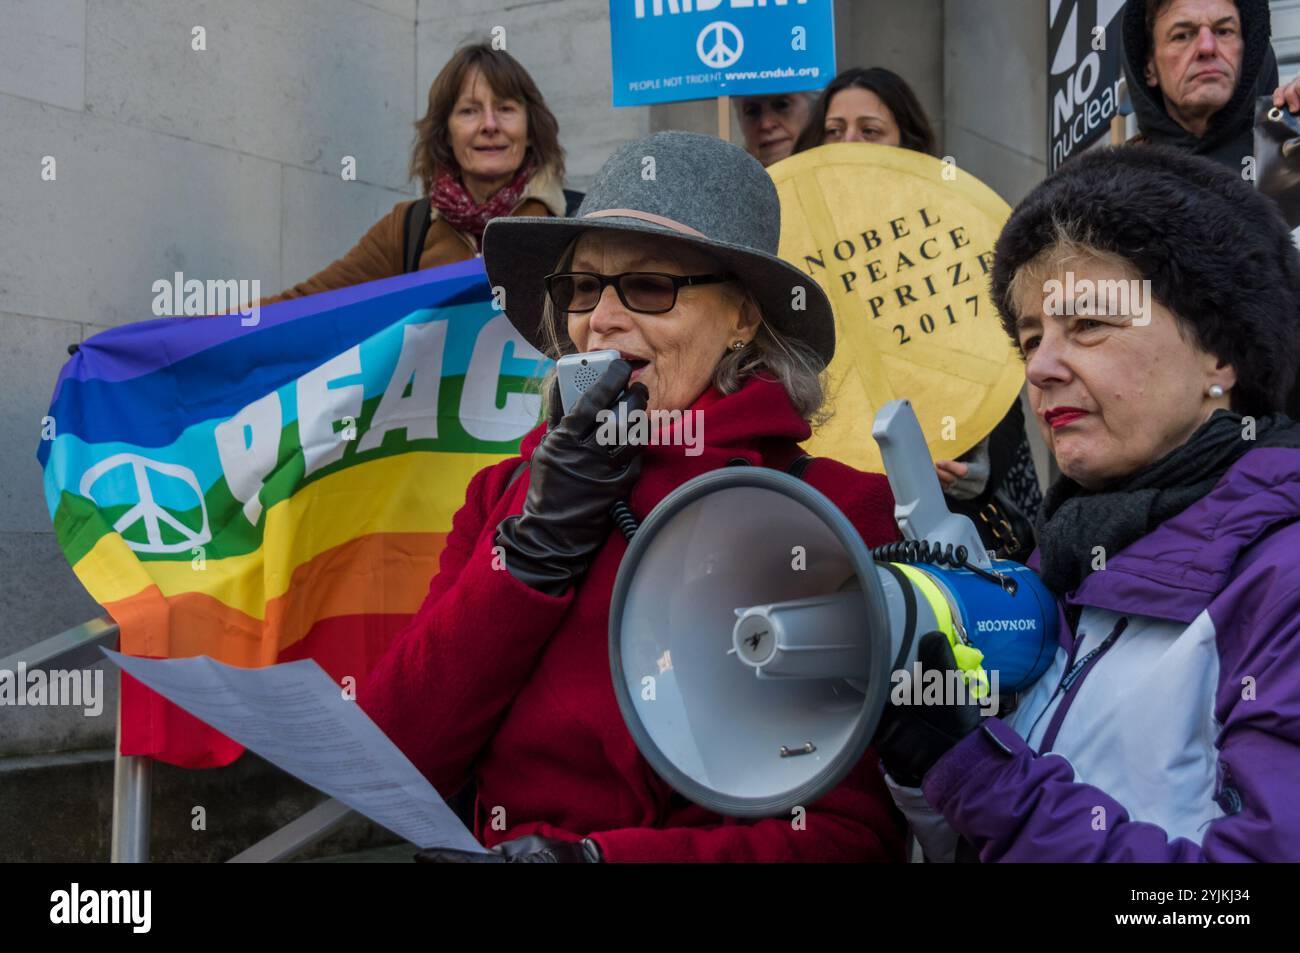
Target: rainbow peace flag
[(281, 490)]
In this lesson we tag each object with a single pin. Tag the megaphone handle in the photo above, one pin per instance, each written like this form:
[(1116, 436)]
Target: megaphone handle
[(919, 506), (918, 499)]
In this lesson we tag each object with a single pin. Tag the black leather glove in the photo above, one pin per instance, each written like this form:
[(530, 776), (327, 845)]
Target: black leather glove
[(532, 849), (911, 738), (1277, 152), (573, 481)]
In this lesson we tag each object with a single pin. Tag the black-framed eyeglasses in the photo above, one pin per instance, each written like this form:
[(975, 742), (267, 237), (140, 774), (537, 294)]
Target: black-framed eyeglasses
[(646, 292)]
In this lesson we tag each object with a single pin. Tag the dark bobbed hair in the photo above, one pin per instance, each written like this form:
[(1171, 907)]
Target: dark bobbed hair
[(508, 79), (1218, 254), (914, 128)]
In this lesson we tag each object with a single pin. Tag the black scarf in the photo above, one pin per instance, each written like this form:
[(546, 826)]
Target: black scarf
[(1073, 520)]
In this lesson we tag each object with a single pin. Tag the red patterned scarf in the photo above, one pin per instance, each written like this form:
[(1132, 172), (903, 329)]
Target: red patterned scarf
[(458, 207)]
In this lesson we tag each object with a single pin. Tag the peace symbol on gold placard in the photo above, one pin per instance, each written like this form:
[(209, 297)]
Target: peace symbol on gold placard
[(902, 243)]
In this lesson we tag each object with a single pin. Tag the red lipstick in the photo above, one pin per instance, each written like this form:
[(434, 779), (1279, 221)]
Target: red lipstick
[(1059, 417)]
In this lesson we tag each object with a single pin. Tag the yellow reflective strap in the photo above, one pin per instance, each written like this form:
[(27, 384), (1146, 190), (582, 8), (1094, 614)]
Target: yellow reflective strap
[(968, 657), (938, 604)]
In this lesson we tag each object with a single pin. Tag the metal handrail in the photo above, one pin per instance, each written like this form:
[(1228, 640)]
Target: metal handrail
[(79, 647)]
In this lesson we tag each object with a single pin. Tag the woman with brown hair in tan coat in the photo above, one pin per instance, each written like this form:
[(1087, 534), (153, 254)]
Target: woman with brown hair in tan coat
[(488, 146)]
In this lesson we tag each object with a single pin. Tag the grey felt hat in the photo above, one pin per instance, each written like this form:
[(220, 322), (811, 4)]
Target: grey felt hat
[(698, 190)]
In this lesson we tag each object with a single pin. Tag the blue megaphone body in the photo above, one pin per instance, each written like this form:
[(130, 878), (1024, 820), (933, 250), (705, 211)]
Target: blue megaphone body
[(998, 607)]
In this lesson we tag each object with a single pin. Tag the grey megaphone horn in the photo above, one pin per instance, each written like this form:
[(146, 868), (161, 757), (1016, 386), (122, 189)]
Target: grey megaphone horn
[(754, 635)]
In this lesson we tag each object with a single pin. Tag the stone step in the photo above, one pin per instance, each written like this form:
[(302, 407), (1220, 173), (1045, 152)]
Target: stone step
[(58, 808), (396, 854)]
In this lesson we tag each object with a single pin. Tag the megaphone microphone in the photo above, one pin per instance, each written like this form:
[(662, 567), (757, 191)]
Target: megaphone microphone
[(755, 639)]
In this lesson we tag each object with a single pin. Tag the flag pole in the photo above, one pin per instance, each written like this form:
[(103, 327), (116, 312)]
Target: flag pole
[(1117, 129)]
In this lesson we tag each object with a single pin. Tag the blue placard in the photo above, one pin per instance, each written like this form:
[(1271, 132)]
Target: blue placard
[(669, 50)]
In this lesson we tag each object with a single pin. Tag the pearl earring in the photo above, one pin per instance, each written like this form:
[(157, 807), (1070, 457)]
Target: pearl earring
[(737, 345), (1215, 391)]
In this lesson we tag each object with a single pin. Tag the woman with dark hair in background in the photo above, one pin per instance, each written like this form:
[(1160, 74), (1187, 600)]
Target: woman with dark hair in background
[(488, 146), (868, 105), (994, 482)]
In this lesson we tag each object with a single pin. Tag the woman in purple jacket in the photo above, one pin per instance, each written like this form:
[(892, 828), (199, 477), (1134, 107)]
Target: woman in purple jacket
[(1155, 299)]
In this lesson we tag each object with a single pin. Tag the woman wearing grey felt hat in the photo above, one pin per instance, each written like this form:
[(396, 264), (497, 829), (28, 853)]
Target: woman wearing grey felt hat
[(504, 678), (694, 203)]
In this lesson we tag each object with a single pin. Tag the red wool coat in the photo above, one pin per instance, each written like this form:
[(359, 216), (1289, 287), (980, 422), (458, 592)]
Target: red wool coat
[(496, 683)]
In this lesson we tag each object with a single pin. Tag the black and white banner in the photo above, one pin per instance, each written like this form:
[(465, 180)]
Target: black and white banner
[(1083, 53)]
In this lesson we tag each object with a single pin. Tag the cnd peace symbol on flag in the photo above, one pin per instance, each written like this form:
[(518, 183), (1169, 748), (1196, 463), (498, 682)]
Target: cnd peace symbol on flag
[(902, 244)]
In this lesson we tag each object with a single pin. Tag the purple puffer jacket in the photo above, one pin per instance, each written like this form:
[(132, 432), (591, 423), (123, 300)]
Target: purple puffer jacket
[(1168, 729)]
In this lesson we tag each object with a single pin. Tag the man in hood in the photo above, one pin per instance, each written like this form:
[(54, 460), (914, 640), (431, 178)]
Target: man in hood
[(1194, 69)]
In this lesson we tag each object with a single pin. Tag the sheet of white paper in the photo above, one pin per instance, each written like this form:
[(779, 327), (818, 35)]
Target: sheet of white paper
[(296, 717)]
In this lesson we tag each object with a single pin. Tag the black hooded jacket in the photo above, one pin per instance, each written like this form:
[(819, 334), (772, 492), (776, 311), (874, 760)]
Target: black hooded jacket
[(1230, 135)]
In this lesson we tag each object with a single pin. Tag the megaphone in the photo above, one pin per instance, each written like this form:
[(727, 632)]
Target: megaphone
[(754, 636)]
